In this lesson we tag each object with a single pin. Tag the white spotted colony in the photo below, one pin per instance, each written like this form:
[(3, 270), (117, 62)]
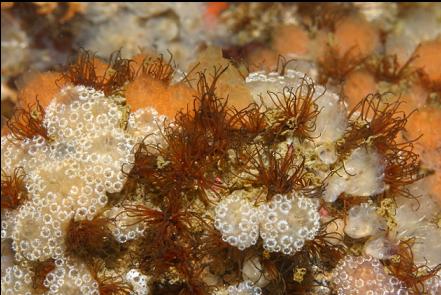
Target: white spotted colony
[(68, 278), (285, 223), (365, 275), (244, 288), (69, 175), (238, 222), (138, 282)]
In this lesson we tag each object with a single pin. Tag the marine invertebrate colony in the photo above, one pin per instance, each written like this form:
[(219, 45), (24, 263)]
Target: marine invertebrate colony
[(215, 200)]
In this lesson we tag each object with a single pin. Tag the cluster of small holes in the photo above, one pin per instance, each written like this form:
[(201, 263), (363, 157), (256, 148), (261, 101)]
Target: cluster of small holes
[(244, 288), (7, 224), (287, 222), (17, 280), (33, 240), (11, 154), (70, 176), (237, 220), (138, 282), (70, 278), (365, 275)]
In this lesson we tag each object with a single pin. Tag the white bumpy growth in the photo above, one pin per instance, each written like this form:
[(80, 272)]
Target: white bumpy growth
[(286, 222), (365, 275), (244, 288), (68, 176), (237, 220)]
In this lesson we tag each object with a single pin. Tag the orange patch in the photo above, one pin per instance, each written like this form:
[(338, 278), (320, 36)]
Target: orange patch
[(291, 40), (230, 84), (215, 8), (140, 58), (100, 66), (357, 86), (212, 12), (426, 122), (73, 8), (5, 130), (429, 60), (168, 100), (356, 35), (41, 86)]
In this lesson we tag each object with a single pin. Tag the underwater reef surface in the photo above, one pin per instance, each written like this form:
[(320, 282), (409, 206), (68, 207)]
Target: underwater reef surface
[(221, 148)]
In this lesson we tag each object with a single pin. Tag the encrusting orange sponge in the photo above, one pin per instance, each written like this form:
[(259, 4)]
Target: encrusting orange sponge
[(152, 88), (429, 145), (357, 85), (357, 36), (145, 91), (428, 60), (291, 40)]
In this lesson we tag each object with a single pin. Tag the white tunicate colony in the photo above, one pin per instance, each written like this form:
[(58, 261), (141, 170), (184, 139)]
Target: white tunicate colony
[(17, 280), (88, 155), (138, 282), (244, 288), (363, 175), (69, 175), (365, 275), (363, 221), (287, 222), (237, 220), (68, 278)]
